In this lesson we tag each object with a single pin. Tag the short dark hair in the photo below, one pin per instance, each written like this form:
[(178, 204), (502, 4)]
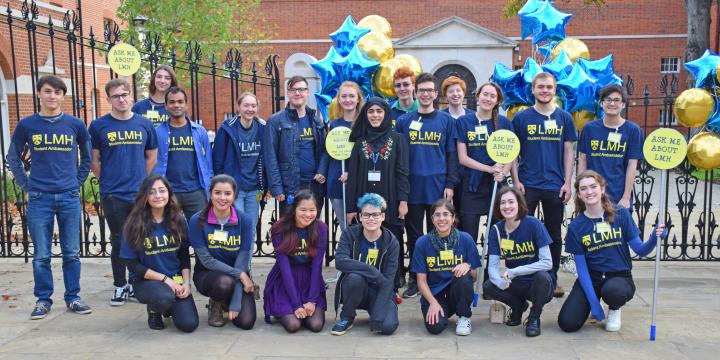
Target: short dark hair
[(116, 83), (52, 81), (442, 202), (175, 90), (296, 79), (426, 77), (520, 198), (613, 88)]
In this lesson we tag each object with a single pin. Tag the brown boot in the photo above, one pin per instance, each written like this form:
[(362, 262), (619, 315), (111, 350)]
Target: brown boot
[(215, 313), (256, 291)]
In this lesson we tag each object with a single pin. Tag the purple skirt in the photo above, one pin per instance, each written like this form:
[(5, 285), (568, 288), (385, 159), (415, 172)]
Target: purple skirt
[(277, 301)]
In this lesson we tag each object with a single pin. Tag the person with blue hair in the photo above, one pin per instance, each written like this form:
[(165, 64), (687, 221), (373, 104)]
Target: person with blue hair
[(367, 257)]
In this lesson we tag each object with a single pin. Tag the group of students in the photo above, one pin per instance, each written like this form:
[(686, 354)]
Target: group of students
[(412, 169)]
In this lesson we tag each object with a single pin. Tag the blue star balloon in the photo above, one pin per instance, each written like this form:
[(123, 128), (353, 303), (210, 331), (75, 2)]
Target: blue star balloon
[(703, 69), (530, 69), (357, 67), (546, 49), (601, 70), (347, 35), (549, 23), (713, 122), (578, 89), (511, 83), (561, 66), (527, 26), (329, 79), (323, 102)]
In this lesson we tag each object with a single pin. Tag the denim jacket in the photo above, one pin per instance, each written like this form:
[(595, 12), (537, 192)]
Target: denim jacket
[(203, 153), (281, 150)]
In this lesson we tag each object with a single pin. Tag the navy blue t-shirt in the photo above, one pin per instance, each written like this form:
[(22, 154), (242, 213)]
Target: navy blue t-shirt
[(250, 145), (474, 133), (467, 112), (239, 237), (334, 186), (426, 260), (301, 255), (608, 152), (53, 144), (604, 251), (122, 145), (182, 167), (151, 110), (541, 147), (159, 252), (308, 167), (429, 148), (521, 246), (365, 247)]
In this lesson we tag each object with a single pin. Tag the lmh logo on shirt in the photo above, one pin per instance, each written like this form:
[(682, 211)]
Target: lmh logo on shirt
[(596, 241), (307, 134), (436, 263), (58, 142), (610, 146), (156, 244), (126, 137), (37, 139), (531, 129)]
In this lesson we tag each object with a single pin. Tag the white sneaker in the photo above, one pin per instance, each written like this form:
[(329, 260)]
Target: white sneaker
[(463, 327), (613, 322), (119, 296)]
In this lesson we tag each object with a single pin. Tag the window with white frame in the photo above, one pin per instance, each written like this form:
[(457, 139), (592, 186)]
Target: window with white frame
[(669, 65)]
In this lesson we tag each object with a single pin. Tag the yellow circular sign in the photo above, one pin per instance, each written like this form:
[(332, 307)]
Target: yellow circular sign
[(124, 59), (337, 143), (665, 148), (503, 146)]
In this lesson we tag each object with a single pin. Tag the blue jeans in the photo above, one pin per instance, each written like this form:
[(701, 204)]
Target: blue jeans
[(41, 212), (248, 204)]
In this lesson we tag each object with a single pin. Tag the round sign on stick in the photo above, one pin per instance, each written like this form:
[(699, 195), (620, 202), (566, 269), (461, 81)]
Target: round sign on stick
[(503, 146), (124, 59), (665, 148), (337, 143)]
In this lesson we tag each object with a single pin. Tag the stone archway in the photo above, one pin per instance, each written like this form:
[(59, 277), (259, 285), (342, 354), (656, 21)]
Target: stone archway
[(466, 75)]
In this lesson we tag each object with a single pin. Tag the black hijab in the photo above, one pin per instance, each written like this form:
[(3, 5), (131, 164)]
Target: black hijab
[(364, 131)]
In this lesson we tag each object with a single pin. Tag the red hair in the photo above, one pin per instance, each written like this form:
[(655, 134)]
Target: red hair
[(404, 72), (453, 80)]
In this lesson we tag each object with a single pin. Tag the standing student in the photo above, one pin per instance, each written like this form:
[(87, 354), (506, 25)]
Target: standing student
[(367, 256), (430, 135), (295, 289), (612, 146), (445, 261), (124, 152), (348, 102), (293, 147), (153, 108), (379, 164), (599, 239), (156, 250), (184, 154), (222, 238), (472, 132), (524, 243), (54, 140), (404, 86), (453, 90), (545, 165)]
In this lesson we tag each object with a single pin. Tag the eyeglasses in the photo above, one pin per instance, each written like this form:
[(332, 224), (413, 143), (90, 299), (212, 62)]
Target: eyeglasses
[(402, 85), (374, 216), (426, 91), (445, 214), (160, 191), (119, 96), (613, 101), (297, 90)]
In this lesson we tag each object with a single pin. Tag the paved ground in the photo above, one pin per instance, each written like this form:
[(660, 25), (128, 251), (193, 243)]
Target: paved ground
[(688, 326)]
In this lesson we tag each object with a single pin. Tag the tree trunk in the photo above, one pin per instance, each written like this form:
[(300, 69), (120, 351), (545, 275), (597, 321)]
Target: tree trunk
[(698, 15)]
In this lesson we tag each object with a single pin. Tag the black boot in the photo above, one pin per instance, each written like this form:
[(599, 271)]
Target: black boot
[(412, 289), (155, 320), (532, 324), (516, 315)]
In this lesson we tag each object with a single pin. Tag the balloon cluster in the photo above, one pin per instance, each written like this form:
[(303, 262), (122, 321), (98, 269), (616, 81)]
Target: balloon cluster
[(578, 78), (700, 107), (362, 52)]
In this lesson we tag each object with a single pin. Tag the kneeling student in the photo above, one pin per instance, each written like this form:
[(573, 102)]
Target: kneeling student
[(367, 256)]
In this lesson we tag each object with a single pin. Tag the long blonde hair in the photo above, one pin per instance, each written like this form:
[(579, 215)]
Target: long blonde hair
[(336, 111), (604, 200)]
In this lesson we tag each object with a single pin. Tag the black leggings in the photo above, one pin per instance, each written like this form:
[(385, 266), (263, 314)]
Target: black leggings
[(553, 212), (614, 291), (357, 294), (456, 298), (160, 298), (539, 291), (313, 323), (116, 211), (220, 287)]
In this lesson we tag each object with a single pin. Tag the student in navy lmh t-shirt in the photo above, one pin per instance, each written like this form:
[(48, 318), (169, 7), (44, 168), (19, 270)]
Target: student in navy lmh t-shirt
[(153, 108)]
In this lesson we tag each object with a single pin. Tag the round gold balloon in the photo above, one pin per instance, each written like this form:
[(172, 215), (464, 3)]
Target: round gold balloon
[(376, 46), (693, 107), (383, 79), (704, 150), (574, 48), (582, 117), (513, 110), (411, 62), (376, 23)]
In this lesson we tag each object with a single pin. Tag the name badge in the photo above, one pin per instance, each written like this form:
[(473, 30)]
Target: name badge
[(259, 195), (507, 244), (550, 124), (614, 137), (481, 129), (446, 255), (602, 227), (416, 125), (220, 235), (372, 254), (178, 279), (152, 114), (373, 175)]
